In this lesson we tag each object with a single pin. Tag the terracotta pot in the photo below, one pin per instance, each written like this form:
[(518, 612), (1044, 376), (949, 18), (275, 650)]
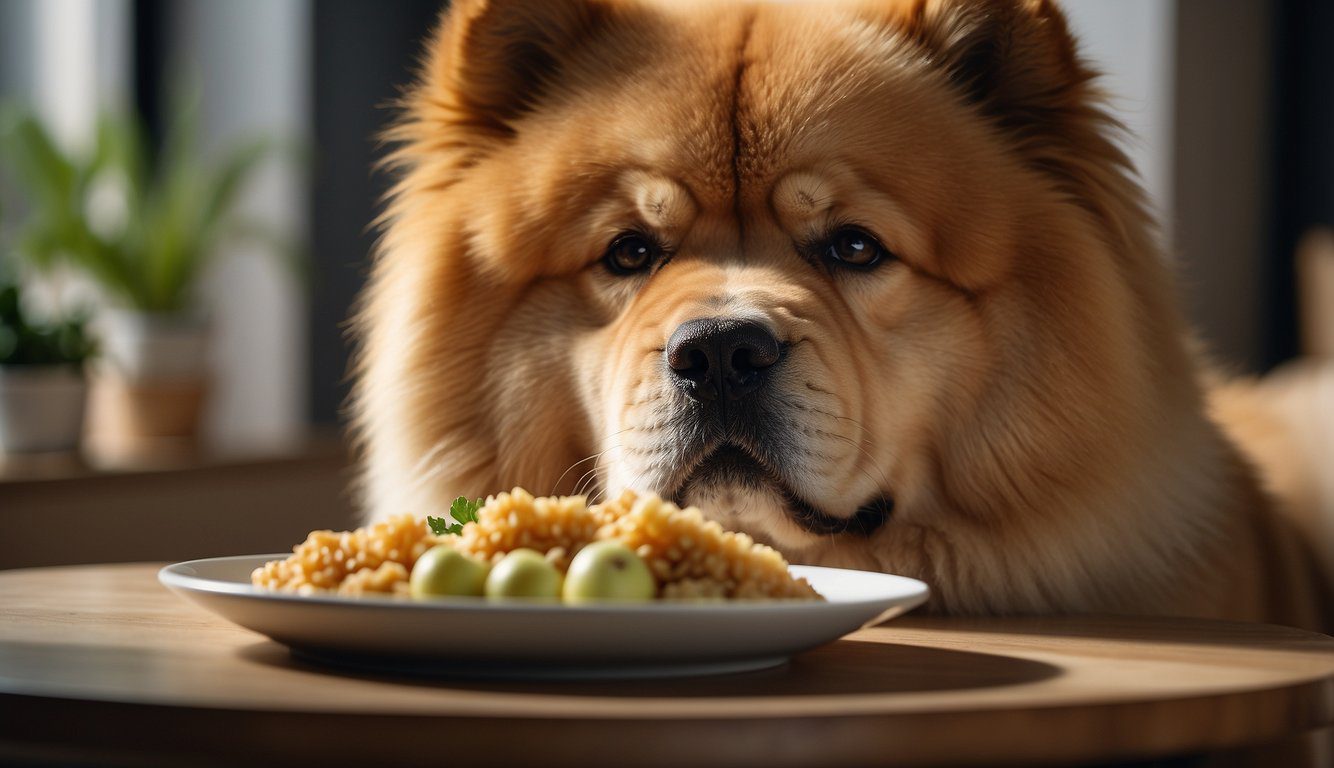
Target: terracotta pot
[(41, 408), (151, 387), (147, 408)]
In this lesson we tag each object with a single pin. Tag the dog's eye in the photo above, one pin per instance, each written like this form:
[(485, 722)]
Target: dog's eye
[(630, 253), (854, 248)]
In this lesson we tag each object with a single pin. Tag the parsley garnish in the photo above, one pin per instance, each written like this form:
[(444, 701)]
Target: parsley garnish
[(463, 512)]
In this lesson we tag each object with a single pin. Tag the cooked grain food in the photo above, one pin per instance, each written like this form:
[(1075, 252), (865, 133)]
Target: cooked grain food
[(690, 557), (376, 558), (556, 525)]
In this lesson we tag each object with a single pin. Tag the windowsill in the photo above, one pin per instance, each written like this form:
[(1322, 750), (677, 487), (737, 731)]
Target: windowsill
[(317, 445), (181, 505)]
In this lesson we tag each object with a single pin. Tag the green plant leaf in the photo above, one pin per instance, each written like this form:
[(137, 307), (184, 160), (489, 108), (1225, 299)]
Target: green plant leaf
[(465, 511), (9, 343), (51, 183), (25, 343), (37, 164), (462, 510), (179, 209), (122, 148)]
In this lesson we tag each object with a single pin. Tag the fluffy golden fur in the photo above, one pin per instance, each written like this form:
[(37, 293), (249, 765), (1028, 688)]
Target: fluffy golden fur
[(1016, 380)]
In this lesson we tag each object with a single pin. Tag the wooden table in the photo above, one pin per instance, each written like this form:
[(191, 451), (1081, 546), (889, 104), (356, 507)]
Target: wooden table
[(100, 661)]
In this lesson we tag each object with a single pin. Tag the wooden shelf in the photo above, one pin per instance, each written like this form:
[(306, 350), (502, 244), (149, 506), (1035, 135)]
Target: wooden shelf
[(173, 506), (165, 456)]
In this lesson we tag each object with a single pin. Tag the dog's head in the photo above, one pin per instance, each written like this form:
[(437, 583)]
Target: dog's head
[(822, 270)]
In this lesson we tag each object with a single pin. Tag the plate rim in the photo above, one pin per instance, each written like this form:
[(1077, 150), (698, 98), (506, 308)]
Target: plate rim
[(169, 576)]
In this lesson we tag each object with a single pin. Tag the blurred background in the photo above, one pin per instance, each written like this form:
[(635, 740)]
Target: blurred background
[(247, 130)]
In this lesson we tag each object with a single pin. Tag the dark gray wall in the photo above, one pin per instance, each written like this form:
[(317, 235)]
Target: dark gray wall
[(1223, 171), (364, 52), (1302, 190), (16, 48)]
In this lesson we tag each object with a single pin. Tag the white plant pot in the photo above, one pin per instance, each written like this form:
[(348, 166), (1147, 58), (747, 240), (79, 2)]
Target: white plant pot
[(143, 346), (41, 407)]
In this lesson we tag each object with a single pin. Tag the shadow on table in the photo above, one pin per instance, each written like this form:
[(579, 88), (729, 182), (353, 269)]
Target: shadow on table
[(1239, 636), (849, 667)]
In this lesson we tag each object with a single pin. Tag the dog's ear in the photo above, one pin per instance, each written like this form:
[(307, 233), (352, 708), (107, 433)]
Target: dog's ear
[(1018, 63), (1015, 59), (491, 58)]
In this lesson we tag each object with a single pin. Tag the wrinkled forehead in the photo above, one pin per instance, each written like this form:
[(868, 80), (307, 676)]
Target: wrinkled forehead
[(838, 86), (712, 105), (657, 93), (794, 86), (707, 90)]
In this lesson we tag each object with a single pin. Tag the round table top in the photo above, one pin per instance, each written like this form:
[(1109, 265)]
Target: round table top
[(102, 660)]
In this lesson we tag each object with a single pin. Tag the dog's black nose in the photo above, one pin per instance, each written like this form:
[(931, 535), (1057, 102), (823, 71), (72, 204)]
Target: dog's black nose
[(716, 357)]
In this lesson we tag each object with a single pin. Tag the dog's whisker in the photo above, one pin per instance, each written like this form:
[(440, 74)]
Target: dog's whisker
[(884, 486), (868, 435), (588, 458), (600, 494), (884, 480), (581, 485), (831, 415), (556, 485)]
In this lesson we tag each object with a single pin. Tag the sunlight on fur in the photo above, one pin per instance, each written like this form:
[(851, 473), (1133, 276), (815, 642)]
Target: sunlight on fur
[(872, 282)]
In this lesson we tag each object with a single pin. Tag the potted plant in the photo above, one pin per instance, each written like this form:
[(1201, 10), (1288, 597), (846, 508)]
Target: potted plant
[(42, 384), (145, 228)]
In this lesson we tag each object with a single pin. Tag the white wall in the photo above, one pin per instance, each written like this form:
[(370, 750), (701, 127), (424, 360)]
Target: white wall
[(68, 58), (71, 59), (253, 58), (1133, 43)]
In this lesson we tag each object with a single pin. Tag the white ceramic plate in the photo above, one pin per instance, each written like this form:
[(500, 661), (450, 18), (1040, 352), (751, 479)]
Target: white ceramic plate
[(478, 638)]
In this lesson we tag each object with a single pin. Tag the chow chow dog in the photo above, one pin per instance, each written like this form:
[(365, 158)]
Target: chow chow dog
[(870, 281)]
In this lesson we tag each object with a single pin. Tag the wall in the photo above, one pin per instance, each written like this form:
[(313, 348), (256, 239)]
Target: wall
[(1191, 79), (253, 59), (16, 48), (1132, 42), (1223, 173)]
